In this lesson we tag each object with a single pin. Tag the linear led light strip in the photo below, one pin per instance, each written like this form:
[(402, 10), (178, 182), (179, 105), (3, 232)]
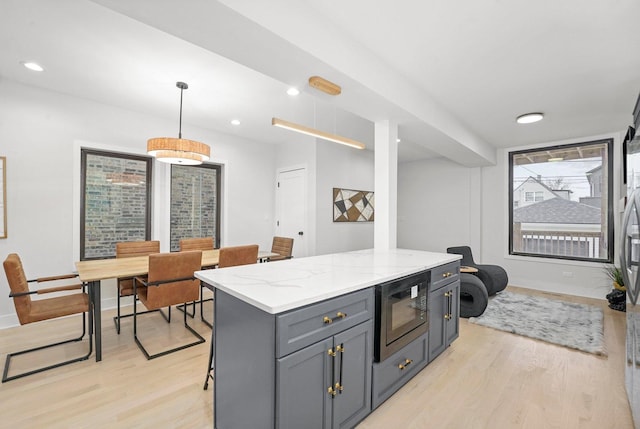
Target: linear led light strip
[(316, 133)]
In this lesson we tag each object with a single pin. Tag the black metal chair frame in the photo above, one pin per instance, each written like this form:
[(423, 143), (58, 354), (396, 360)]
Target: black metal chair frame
[(116, 319), (168, 319), (201, 301), (5, 373)]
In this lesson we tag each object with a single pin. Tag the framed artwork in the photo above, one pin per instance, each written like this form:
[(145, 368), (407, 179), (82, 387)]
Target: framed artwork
[(352, 206), (3, 197)]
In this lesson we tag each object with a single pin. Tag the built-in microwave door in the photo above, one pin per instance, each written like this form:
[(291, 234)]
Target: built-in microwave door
[(405, 307)]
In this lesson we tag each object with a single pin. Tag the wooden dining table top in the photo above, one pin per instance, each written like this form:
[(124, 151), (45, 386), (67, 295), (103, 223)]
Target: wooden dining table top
[(101, 269)]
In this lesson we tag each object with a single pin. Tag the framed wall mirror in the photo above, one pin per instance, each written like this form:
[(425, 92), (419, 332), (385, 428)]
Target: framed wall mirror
[(3, 197)]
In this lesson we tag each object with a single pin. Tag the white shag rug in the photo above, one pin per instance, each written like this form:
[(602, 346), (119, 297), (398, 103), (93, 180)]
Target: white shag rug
[(577, 326)]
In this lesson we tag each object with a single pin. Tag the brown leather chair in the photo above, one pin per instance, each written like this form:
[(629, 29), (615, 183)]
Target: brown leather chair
[(129, 249), (283, 246), (238, 255), (231, 257), (30, 311), (200, 243), (170, 282)]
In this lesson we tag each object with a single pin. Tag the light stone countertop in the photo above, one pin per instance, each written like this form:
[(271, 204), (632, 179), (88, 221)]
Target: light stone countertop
[(280, 286)]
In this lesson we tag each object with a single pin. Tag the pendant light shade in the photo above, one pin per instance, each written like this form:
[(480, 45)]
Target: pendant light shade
[(178, 150)]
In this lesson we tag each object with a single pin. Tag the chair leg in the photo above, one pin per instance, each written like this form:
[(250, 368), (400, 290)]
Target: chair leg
[(7, 363), (210, 366), (199, 340), (202, 301), (182, 307), (116, 319)]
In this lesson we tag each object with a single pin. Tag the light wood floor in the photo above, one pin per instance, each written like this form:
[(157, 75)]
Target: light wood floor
[(486, 379)]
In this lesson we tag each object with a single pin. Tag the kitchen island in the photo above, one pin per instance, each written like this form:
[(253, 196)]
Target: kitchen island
[(294, 338)]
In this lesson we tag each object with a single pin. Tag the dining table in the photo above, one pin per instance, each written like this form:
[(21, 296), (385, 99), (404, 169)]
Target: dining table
[(92, 272)]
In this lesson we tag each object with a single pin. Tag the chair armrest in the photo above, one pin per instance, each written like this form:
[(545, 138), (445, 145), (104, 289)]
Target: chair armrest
[(51, 278), (59, 289), (139, 279), (161, 282)]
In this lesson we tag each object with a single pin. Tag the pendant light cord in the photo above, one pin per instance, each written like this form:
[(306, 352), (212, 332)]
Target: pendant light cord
[(180, 126)]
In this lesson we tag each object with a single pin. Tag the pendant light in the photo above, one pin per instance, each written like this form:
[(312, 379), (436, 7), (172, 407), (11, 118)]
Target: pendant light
[(178, 150)]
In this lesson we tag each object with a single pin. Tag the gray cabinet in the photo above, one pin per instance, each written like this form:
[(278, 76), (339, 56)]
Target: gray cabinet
[(392, 373), (444, 308), (302, 379), (275, 371), (328, 384)]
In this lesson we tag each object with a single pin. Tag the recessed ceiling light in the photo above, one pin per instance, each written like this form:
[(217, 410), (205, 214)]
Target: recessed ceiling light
[(398, 140), (555, 159), (293, 91), (235, 122), (32, 66), (529, 118)]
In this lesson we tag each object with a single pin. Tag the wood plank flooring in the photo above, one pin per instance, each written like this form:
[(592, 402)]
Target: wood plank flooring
[(486, 379)]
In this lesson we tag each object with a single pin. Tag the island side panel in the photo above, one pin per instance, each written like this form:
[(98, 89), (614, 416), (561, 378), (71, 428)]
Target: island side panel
[(244, 362)]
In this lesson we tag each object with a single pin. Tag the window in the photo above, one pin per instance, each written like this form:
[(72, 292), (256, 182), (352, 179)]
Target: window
[(195, 203), (115, 202), (568, 202)]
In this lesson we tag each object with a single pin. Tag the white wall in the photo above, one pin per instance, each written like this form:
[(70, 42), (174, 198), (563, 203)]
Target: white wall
[(340, 166), (438, 205), (39, 132), (573, 278), (441, 204)]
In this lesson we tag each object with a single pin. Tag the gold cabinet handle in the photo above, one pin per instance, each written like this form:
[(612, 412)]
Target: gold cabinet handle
[(405, 364), (341, 315), (340, 348), (331, 352), (447, 316), (327, 320), (331, 391), (339, 387), (447, 274)]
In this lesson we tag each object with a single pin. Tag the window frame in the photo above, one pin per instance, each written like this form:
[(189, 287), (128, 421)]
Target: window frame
[(610, 233), (218, 169), (83, 175)]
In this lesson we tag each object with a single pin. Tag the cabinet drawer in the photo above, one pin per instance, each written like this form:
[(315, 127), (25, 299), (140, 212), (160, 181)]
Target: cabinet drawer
[(444, 274), (305, 326), (392, 373)]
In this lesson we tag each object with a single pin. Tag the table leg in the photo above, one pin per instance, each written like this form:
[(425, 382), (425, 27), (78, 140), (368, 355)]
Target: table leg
[(97, 317)]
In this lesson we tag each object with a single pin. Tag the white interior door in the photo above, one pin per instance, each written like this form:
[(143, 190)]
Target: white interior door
[(291, 208)]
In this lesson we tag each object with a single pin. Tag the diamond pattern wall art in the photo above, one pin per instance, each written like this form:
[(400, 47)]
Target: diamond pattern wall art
[(352, 206)]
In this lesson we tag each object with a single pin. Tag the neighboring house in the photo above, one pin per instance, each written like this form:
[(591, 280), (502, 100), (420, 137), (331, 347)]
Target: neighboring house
[(533, 191), (594, 176), (558, 227)]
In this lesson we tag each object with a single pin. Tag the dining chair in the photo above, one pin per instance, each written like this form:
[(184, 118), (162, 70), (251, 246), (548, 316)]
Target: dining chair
[(230, 257), (170, 282), (200, 243), (130, 249), (30, 311), (283, 246), (238, 255)]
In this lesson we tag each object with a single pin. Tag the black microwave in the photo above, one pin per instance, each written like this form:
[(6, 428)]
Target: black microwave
[(401, 313)]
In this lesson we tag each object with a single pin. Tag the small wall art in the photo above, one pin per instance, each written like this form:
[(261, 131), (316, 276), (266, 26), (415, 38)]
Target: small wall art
[(352, 206)]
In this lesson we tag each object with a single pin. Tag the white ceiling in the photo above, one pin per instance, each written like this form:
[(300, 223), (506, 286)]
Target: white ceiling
[(453, 75)]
